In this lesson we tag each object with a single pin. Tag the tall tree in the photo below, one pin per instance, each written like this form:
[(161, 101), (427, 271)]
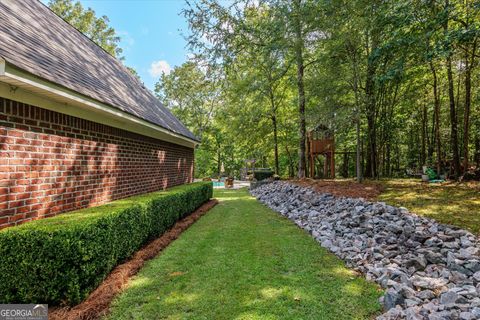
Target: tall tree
[(191, 95), (299, 58), (194, 97), (451, 90), (389, 77), (246, 41), (302, 34), (467, 17)]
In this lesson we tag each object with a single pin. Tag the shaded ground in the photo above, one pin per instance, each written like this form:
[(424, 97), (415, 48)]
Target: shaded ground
[(244, 261), (344, 187), (450, 203)]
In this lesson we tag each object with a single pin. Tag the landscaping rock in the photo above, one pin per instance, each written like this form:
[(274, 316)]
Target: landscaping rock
[(419, 263), (476, 312), (449, 297), (476, 276), (429, 283), (391, 299), (429, 270)]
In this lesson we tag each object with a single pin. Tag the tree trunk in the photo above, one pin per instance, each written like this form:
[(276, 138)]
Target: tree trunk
[(397, 157), (477, 151), (431, 140), (291, 169), (345, 165), (453, 112), (275, 131), (301, 89), (370, 108), (219, 162), (466, 114), (453, 120), (371, 167), (423, 154), (388, 168), (359, 152), (275, 143), (436, 111), (358, 166)]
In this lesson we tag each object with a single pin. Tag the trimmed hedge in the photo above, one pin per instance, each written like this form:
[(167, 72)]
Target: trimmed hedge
[(60, 260), (262, 175)]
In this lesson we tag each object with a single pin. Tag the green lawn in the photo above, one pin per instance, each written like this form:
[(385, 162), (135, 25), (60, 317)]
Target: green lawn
[(243, 261), (452, 203)]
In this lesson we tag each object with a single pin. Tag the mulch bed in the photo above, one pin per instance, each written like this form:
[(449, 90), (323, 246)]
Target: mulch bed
[(369, 190), (98, 302)]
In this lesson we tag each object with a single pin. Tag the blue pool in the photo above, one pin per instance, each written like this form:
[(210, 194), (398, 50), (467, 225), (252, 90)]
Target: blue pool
[(218, 184)]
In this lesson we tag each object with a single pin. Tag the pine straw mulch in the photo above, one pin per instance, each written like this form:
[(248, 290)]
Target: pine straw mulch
[(98, 302), (369, 190)]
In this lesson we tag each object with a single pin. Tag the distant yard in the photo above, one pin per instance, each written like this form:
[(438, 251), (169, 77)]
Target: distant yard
[(243, 261), (450, 203)]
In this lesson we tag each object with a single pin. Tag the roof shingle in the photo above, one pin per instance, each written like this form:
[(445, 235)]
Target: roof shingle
[(36, 40)]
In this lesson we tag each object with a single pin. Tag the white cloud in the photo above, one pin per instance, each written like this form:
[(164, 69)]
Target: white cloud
[(157, 68)]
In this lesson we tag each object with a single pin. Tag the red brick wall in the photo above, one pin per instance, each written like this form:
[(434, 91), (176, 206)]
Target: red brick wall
[(52, 163)]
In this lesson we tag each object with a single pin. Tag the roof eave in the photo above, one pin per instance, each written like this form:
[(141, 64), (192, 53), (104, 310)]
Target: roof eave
[(83, 106)]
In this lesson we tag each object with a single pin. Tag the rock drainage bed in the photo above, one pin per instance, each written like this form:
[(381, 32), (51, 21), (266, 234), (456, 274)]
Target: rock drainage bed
[(428, 270)]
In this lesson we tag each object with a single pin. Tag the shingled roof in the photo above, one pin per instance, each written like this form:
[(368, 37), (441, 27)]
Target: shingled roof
[(36, 40)]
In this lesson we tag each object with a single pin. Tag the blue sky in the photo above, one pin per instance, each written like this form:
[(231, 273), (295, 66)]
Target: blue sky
[(151, 33)]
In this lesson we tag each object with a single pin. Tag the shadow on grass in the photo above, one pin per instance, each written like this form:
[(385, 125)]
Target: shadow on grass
[(243, 261), (451, 203)]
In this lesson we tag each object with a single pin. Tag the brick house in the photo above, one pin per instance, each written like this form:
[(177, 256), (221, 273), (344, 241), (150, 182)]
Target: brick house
[(77, 129)]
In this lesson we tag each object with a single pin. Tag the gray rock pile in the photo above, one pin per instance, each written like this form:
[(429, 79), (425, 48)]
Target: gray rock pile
[(428, 270)]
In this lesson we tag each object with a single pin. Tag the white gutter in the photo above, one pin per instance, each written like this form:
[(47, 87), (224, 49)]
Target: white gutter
[(19, 78)]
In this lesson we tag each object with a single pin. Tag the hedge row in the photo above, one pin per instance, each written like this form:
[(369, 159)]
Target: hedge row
[(60, 260), (262, 175)]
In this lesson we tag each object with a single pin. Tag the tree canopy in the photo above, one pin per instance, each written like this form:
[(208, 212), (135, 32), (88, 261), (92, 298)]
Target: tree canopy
[(397, 83)]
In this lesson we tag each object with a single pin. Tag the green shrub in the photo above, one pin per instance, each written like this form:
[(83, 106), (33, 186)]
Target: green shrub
[(262, 175), (60, 260)]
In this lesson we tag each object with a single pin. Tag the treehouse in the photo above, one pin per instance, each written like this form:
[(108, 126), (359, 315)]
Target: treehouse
[(321, 142)]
